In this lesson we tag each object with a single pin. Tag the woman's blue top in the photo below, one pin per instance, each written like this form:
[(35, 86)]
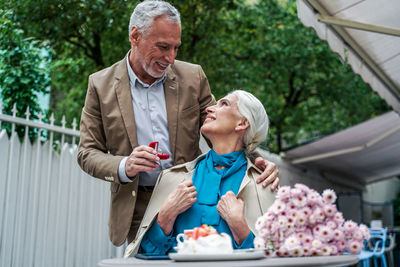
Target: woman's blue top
[(211, 184)]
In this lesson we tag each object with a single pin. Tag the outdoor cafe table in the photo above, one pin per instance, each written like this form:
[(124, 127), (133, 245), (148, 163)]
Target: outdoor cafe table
[(342, 260)]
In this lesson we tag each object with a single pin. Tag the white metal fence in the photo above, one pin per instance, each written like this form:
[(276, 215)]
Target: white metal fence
[(52, 213)]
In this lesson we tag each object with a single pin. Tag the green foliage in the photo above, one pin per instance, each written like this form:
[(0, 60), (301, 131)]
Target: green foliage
[(85, 36), (23, 69), (263, 48)]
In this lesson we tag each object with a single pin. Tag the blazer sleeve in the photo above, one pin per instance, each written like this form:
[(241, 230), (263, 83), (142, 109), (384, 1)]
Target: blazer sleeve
[(93, 156)]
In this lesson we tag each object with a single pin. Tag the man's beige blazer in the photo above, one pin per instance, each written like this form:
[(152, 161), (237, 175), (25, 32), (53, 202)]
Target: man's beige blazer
[(256, 199), (108, 129)]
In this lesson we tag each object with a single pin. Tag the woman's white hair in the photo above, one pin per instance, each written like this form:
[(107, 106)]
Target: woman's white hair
[(253, 110), (145, 13)]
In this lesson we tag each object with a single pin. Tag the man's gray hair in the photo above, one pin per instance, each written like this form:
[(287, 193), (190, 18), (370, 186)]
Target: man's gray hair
[(146, 11), (253, 110)]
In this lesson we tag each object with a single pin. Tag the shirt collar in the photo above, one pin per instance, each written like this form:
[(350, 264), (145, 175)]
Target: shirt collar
[(133, 78)]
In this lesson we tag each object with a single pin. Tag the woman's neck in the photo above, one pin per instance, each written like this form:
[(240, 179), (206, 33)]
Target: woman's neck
[(224, 145)]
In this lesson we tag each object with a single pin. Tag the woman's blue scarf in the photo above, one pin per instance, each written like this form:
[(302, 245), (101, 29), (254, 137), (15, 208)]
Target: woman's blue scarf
[(208, 181)]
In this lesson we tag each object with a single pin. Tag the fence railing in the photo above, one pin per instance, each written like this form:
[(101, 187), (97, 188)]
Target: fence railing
[(52, 213)]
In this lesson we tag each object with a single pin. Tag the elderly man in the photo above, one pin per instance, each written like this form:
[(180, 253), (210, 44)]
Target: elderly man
[(148, 96)]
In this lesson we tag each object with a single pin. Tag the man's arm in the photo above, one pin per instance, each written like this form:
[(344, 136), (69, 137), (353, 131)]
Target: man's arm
[(206, 98), (93, 156)]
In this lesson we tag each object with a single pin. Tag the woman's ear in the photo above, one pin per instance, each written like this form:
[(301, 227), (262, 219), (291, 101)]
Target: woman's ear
[(242, 125)]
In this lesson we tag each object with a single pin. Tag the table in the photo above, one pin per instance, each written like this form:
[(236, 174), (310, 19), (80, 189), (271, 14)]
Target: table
[(342, 260)]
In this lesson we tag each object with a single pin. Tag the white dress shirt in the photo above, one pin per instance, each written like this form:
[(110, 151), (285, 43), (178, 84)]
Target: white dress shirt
[(151, 123)]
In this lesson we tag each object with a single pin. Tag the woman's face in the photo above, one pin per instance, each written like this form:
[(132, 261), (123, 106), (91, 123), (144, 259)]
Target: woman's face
[(223, 117)]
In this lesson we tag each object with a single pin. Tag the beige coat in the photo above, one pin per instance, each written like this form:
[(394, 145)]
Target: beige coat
[(256, 198), (108, 129)]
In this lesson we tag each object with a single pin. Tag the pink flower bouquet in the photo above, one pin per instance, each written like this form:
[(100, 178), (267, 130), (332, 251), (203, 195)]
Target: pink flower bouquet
[(301, 222)]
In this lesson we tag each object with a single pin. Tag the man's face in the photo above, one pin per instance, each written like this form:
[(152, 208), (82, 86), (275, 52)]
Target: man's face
[(154, 51)]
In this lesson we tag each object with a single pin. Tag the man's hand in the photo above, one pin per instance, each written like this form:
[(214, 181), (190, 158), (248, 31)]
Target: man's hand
[(177, 202), (231, 209), (270, 173), (142, 158)]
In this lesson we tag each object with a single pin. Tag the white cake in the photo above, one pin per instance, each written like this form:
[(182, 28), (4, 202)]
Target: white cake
[(203, 240)]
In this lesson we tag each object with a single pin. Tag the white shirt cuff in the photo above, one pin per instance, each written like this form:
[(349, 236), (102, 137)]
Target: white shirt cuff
[(123, 178)]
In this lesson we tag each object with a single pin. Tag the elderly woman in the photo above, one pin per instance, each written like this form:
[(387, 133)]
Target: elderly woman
[(218, 188)]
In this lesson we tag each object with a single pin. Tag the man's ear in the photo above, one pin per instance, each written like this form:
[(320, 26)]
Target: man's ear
[(134, 36), (242, 125)]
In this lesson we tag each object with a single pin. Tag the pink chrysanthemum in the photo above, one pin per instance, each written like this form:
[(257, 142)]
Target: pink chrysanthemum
[(349, 226), (264, 232), (354, 246), (283, 252), (334, 250), (294, 192), (300, 201), (325, 233), (292, 242), (329, 196), (259, 242), (282, 222), (269, 253), (307, 240), (260, 223), (301, 220), (291, 206), (331, 224), (315, 252), (305, 189), (316, 243), (326, 250), (312, 219), (365, 231), (319, 214), (338, 235), (329, 210), (283, 193), (306, 251), (338, 217), (306, 211), (341, 245), (312, 197), (358, 235), (296, 252), (278, 207), (269, 216)]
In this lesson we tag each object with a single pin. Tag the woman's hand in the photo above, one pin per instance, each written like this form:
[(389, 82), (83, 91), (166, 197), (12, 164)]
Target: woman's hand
[(176, 203), (231, 210)]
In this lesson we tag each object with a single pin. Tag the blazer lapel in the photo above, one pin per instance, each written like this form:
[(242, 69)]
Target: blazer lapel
[(123, 91), (246, 178), (171, 91)]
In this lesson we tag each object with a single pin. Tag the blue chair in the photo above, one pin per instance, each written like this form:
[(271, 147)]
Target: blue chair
[(378, 235), (377, 241)]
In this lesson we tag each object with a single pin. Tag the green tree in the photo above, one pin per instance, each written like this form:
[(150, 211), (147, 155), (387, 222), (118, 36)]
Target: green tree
[(263, 48), (23, 70), (85, 36)]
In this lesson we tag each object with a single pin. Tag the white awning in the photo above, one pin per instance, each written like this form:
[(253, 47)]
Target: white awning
[(366, 34), (367, 152)]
